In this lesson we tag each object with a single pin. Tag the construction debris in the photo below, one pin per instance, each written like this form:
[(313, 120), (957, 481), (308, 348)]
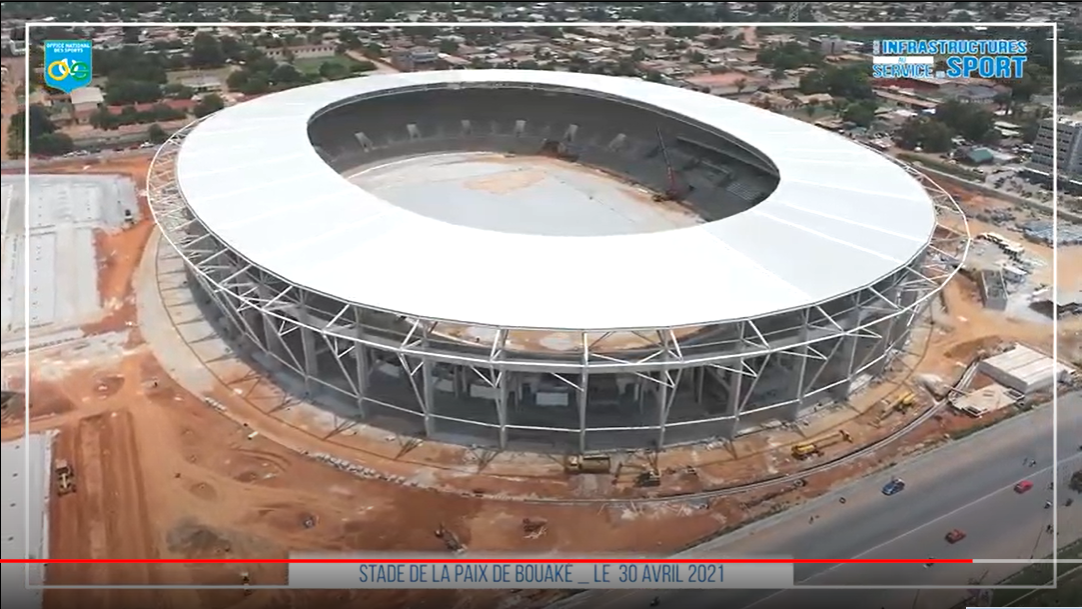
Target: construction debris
[(450, 539), (534, 527), (65, 477)]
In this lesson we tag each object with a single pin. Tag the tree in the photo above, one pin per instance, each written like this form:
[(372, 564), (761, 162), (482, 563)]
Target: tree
[(44, 138), (638, 54), (928, 134), (52, 144), (232, 48), (810, 110), (362, 66), (210, 104), (120, 92), (333, 70), (285, 74), (861, 113), (448, 46), (156, 134), (177, 91), (741, 85), (850, 82), (788, 56), (971, 121), (237, 79), (206, 52)]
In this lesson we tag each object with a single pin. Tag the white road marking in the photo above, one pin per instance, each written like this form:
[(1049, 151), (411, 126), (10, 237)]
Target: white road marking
[(1009, 487)]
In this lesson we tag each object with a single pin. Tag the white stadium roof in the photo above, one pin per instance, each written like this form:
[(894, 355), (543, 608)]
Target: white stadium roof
[(842, 217)]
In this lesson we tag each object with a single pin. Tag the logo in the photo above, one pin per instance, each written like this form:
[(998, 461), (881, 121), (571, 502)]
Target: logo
[(68, 64), (989, 59)]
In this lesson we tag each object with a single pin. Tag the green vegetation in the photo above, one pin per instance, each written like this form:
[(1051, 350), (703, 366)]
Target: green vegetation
[(849, 81), (130, 115), (788, 56), (332, 68), (955, 170), (45, 140), (210, 104)]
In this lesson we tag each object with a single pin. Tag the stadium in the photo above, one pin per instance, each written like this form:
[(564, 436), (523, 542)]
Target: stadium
[(551, 260)]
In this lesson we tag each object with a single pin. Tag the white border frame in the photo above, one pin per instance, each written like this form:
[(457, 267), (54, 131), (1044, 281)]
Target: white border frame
[(1055, 200)]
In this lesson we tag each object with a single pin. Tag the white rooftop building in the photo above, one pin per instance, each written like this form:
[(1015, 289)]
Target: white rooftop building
[(1024, 369)]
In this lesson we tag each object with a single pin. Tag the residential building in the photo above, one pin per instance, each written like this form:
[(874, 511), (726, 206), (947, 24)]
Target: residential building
[(832, 46), (84, 103), (1068, 146), (312, 51), (415, 59), (202, 83)]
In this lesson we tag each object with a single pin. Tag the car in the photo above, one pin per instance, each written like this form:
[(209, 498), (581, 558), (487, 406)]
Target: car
[(1023, 487), (955, 535), (894, 487)]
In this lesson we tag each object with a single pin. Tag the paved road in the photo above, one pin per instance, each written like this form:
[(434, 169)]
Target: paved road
[(966, 484)]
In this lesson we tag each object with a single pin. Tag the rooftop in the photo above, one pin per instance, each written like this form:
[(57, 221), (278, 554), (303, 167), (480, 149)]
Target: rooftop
[(19, 509), (842, 217)]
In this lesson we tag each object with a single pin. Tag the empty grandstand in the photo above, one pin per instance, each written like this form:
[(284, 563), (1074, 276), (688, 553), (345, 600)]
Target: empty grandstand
[(350, 263)]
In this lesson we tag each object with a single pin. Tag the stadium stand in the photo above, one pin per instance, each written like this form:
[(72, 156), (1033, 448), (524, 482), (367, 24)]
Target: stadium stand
[(719, 176)]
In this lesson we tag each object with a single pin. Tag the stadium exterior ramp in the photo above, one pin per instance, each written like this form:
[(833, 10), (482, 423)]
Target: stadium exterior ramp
[(815, 259)]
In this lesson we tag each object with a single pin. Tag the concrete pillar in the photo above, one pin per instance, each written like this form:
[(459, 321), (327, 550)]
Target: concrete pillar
[(360, 359), (311, 357), (582, 398), (270, 330), (428, 401), (662, 410), (501, 407)]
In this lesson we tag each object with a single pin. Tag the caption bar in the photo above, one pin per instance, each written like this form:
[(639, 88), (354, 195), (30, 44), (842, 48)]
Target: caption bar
[(519, 573)]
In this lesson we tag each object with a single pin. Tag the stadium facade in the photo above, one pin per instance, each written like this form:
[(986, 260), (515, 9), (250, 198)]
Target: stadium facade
[(813, 260)]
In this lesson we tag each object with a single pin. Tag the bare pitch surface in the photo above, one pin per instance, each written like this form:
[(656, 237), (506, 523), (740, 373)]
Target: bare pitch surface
[(520, 194)]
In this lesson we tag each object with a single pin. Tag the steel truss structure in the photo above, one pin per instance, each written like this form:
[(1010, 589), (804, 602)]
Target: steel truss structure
[(716, 382)]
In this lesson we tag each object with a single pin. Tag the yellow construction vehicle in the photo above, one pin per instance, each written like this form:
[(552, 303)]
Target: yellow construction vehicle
[(588, 464), (65, 477), (815, 447), (905, 402)]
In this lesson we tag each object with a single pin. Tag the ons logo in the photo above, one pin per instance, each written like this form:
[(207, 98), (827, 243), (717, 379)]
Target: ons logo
[(68, 64)]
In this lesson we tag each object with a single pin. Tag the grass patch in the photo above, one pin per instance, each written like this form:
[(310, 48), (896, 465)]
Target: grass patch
[(311, 65)]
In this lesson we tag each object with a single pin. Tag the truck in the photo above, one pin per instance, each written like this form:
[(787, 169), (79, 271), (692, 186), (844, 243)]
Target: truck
[(588, 464)]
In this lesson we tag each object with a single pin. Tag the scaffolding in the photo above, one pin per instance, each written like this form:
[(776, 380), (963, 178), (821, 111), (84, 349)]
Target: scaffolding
[(677, 387)]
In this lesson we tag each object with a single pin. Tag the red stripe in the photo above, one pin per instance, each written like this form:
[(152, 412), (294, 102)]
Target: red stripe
[(480, 560)]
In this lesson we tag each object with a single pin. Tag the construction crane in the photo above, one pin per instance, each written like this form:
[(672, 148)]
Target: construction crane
[(672, 191), (794, 9)]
